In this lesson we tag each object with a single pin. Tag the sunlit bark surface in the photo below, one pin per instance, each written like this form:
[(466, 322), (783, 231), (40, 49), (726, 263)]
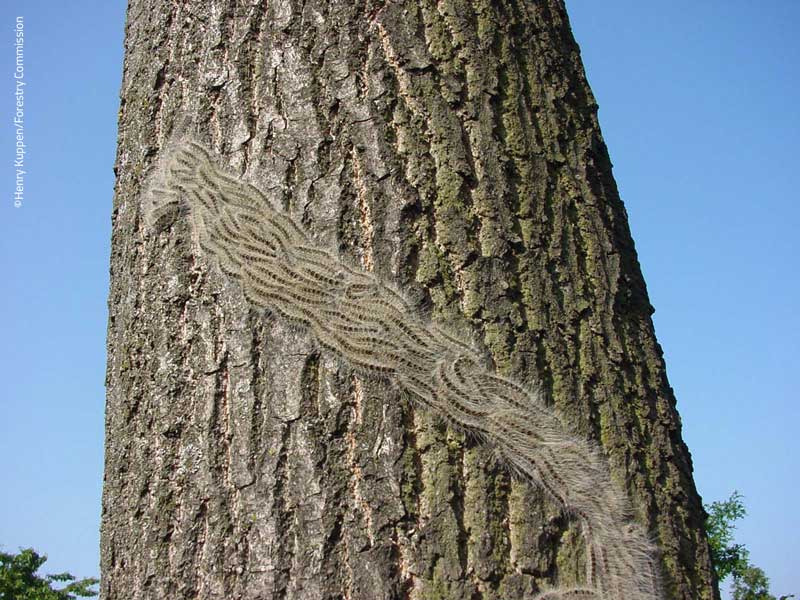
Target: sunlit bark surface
[(453, 150)]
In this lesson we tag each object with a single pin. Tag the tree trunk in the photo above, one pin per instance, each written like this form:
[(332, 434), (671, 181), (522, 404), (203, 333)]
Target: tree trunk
[(451, 148)]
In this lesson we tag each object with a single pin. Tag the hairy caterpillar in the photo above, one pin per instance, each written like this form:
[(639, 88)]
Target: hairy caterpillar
[(356, 317)]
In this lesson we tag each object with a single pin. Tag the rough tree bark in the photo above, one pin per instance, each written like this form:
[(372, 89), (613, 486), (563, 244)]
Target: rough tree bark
[(453, 148)]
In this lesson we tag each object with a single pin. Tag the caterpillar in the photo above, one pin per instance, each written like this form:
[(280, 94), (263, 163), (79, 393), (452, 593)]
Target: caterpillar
[(363, 321)]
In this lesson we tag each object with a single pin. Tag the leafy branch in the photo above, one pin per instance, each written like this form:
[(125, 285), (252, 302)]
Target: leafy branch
[(732, 559), (19, 581)]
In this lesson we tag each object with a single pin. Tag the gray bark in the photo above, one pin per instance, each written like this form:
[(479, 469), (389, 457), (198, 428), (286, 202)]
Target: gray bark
[(451, 148)]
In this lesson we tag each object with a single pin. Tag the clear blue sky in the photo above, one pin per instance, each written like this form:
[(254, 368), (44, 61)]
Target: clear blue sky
[(699, 107)]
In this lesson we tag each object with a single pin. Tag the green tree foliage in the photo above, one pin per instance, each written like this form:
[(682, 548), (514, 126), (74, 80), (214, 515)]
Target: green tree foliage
[(19, 581), (751, 583), (731, 559), (727, 557)]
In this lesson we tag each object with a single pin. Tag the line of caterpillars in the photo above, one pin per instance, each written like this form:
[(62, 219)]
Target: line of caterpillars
[(358, 318)]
